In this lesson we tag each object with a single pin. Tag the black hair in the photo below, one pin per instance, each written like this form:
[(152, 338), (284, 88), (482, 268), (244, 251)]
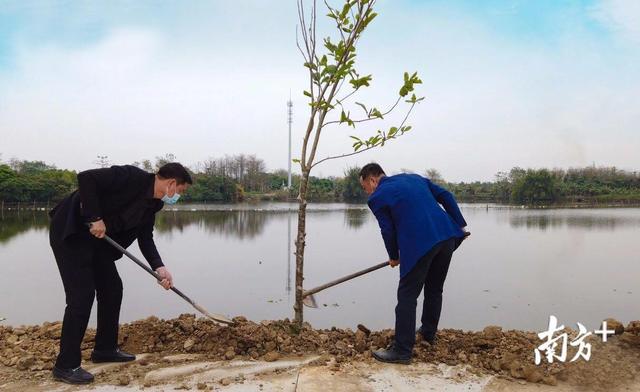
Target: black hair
[(175, 171), (371, 169)]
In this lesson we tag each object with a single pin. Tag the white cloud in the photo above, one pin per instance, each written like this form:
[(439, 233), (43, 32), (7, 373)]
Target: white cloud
[(128, 98), (622, 16), (208, 89)]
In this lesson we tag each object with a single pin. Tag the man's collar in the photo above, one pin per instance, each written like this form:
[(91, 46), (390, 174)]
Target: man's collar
[(380, 181), (151, 188)]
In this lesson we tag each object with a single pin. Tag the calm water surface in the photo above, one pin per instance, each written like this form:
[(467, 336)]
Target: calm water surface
[(518, 267)]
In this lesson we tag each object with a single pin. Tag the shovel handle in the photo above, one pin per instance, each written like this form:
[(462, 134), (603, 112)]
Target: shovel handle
[(344, 279), (145, 267), (215, 317)]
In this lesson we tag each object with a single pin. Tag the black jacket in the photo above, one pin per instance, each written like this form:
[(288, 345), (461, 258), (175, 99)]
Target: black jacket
[(122, 196)]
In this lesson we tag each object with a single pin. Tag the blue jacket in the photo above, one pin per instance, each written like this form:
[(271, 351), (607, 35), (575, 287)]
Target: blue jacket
[(410, 218)]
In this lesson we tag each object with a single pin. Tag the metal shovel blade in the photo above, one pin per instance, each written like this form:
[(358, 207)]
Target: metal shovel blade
[(310, 301), (215, 317)]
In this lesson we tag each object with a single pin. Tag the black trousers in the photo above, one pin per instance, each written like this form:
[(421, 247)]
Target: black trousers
[(85, 279), (430, 272)]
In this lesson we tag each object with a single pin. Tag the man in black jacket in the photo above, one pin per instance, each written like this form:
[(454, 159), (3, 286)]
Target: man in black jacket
[(120, 201)]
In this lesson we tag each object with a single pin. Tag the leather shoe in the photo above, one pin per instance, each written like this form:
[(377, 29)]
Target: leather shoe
[(391, 355), (72, 376), (100, 356), (431, 339)]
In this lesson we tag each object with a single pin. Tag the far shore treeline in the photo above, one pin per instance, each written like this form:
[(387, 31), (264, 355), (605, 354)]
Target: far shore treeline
[(245, 178)]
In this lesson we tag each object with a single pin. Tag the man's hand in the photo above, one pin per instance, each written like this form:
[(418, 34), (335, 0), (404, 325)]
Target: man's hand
[(97, 228), (466, 232), (167, 279), (394, 263)]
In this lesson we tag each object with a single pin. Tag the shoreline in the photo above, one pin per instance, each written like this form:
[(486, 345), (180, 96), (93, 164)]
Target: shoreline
[(27, 353), (220, 206)]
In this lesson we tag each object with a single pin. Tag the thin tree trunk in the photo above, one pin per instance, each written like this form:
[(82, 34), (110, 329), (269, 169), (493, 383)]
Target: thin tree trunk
[(300, 245)]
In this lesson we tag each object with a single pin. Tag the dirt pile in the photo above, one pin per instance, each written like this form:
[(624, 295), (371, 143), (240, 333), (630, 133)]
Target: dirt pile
[(506, 353)]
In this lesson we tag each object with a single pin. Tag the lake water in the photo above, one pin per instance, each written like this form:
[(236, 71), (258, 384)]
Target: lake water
[(518, 267)]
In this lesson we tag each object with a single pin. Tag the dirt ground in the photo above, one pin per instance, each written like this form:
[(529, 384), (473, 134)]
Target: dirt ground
[(197, 354)]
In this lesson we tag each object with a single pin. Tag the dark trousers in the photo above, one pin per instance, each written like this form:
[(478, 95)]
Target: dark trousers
[(85, 279), (430, 272)]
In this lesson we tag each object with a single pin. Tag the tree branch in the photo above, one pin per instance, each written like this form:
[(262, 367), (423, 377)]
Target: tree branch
[(367, 148), (370, 118), (353, 36)]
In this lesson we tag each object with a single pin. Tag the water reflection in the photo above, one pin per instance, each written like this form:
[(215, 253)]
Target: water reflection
[(518, 267), (237, 224), (13, 223), (247, 224), (589, 221), (244, 224), (355, 218)]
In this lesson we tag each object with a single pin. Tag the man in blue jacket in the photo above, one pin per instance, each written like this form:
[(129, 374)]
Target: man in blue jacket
[(420, 236)]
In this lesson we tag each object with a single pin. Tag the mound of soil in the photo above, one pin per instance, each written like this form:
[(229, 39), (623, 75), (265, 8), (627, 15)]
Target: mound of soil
[(32, 349)]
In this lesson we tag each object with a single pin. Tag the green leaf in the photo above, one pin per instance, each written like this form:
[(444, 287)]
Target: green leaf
[(413, 99), (362, 106), (359, 82), (345, 10), (329, 69), (376, 113), (369, 18), (308, 94), (343, 117), (329, 45), (295, 160)]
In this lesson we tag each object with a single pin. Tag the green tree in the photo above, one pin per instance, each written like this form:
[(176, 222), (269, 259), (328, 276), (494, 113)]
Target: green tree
[(329, 70), (162, 160), (15, 189), (502, 188), (214, 188), (535, 186), (352, 191), (30, 167), (6, 173), (435, 176)]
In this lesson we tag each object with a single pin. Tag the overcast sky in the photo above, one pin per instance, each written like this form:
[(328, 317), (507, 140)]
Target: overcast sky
[(537, 83)]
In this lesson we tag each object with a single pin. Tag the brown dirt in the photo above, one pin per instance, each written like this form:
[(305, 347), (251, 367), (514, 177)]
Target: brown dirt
[(29, 352)]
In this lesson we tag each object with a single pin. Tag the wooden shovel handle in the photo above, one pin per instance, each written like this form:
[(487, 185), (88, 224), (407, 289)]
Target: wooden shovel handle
[(344, 279)]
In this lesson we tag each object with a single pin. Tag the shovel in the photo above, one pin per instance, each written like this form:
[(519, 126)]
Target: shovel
[(215, 317), (309, 300)]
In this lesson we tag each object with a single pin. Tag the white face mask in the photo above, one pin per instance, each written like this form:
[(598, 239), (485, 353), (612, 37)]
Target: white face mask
[(171, 199)]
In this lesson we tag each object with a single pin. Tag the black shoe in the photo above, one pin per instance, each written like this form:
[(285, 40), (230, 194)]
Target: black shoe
[(100, 356), (392, 356), (431, 339), (72, 376)]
